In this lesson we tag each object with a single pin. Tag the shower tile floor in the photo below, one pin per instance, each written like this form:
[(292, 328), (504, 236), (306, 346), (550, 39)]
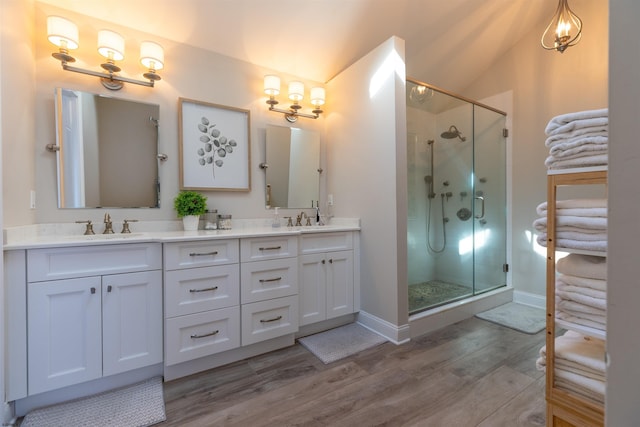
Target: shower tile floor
[(434, 292)]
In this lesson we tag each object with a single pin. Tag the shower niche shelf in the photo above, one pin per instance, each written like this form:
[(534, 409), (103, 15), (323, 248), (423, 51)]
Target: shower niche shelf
[(565, 407)]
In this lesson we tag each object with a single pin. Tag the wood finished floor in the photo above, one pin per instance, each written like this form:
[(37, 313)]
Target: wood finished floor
[(472, 373)]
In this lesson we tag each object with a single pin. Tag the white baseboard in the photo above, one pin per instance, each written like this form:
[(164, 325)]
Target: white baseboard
[(526, 298), (396, 334)]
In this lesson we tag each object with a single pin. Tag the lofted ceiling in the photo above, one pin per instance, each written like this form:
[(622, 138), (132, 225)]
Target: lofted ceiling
[(448, 42)]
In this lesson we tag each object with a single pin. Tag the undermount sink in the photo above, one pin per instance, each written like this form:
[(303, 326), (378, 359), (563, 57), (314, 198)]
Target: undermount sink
[(115, 236)]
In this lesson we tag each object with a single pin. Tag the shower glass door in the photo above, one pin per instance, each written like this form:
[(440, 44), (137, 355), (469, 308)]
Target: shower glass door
[(456, 187), (490, 216)]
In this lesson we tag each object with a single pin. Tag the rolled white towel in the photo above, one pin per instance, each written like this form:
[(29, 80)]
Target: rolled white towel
[(592, 160), (576, 222), (585, 245), (577, 235), (582, 118), (583, 266), (582, 290), (579, 384), (576, 307), (582, 298), (576, 207), (582, 282), (590, 321), (576, 134)]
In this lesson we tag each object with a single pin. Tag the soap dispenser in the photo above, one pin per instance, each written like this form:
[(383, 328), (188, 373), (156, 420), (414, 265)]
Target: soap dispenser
[(276, 219)]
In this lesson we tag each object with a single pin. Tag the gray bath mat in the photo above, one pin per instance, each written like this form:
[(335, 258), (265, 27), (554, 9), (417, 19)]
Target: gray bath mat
[(338, 343), (137, 405), (523, 318)]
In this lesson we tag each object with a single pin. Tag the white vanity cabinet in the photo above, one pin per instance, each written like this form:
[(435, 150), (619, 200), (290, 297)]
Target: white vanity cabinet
[(326, 276), (202, 299), (269, 283), (86, 323)]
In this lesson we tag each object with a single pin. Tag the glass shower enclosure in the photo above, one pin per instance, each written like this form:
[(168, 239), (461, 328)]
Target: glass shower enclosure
[(456, 228)]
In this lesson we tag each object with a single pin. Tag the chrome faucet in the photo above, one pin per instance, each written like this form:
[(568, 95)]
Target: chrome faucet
[(108, 225)]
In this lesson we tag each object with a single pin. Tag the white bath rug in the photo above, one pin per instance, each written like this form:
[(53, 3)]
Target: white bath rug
[(338, 343), (138, 405), (523, 318)]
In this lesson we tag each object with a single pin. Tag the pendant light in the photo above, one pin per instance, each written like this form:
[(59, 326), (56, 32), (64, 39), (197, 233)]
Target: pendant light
[(564, 30)]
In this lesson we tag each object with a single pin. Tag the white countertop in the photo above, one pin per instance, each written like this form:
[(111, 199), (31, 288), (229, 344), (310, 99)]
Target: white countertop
[(70, 234)]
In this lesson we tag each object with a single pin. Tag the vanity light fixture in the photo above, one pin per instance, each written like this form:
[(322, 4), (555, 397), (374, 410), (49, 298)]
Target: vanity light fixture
[(564, 30), (296, 94), (64, 34)]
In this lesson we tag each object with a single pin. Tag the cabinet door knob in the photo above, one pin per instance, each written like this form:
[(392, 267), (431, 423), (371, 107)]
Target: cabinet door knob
[(93, 290), (330, 260), (109, 288), (323, 261)]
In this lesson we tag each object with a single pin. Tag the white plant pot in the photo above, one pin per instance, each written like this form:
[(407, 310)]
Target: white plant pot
[(190, 222)]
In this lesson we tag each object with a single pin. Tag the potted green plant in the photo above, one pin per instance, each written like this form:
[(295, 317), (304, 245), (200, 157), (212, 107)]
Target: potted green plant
[(189, 205)]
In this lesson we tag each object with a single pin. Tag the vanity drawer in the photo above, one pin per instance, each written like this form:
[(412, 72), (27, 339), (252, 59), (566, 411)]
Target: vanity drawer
[(202, 334), (200, 289), (269, 319), (262, 280), (324, 242), (200, 254), (81, 261), (262, 248)]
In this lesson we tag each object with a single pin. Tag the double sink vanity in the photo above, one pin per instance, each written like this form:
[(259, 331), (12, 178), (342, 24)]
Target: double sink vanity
[(90, 313)]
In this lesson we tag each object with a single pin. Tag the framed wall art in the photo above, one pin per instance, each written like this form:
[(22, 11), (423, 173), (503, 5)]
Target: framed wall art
[(215, 146)]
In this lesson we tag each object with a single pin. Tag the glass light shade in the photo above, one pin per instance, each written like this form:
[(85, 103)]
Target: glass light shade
[(152, 55), (111, 45), (62, 32), (271, 85), (317, 96), (296, 91)]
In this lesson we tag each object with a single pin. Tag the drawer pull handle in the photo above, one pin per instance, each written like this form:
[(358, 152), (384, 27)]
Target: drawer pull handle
[(203, 254), (275, 279), (196, 336), (93, 290), (109, 288), (270, 320), (271, 248), (213, 288)]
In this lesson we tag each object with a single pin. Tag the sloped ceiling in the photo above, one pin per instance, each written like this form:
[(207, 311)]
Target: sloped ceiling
[(448, 42)]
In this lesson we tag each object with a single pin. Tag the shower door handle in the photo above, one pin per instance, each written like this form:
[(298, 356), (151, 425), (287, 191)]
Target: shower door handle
[(482, 208)]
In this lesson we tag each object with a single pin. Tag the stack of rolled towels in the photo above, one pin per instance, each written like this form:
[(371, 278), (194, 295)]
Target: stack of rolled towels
[(579, 365), (581, 290), (578, 139), (580, 224)]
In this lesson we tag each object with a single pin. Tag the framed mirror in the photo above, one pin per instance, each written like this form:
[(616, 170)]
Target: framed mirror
[(292, 167), (107, 151)]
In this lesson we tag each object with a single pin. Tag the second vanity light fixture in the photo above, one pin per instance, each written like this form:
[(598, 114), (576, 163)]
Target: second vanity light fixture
[(64, 34), (564, 30), (296, 94)]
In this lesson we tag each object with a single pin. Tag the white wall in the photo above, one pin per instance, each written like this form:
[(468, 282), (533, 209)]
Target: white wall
[(623, 291), (190, 73), (366, 172), (544, 84), (16, 133)]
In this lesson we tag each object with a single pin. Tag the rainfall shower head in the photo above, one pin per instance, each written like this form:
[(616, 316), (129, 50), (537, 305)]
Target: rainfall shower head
[(452, 133)]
